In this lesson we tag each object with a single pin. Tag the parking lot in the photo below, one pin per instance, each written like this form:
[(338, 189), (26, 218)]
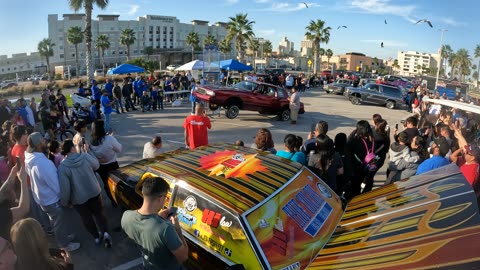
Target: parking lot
[(134, 129)]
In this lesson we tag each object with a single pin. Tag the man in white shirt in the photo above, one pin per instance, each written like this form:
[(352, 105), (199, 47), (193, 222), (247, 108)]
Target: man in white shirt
[(289, 81), (46, 189), (153, 148)]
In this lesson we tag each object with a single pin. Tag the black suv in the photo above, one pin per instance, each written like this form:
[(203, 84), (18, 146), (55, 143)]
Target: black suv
[(379, 94)]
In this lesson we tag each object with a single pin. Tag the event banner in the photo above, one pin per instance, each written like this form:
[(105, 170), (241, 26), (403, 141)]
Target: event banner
[(292, 226)]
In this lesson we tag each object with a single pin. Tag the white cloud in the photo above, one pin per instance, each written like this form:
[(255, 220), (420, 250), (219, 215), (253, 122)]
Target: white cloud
[(266, 32), (133, 9), (261, 1), (231, 2), (383, 7), (287, 7), (452, 21), (386, 43)]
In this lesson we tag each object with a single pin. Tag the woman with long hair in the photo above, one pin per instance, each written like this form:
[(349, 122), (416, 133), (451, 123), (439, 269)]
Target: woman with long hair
[(264, 141), (290, 152), (381, 135), (105, 148), (321, 162), (31, 247)]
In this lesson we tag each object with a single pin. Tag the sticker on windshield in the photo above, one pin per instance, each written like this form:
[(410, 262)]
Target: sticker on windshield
[(231, 164)]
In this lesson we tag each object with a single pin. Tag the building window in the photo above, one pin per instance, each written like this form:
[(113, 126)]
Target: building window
[(73, 54), (60, 38), (135, 51), (8, 69), (112, 28), (61, 47), (121, 52), (15, 68), (113, 52), (60, 29)]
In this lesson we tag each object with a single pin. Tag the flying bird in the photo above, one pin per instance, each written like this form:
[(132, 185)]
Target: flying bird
[(381, 44), (426, 21), (385, 21), (305, 4), (342, 26)]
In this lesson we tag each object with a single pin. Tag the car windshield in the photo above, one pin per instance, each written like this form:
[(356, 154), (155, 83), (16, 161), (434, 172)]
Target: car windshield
[(247, 85)]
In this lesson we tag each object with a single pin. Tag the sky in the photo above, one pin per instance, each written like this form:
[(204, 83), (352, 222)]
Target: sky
[(23, 23)]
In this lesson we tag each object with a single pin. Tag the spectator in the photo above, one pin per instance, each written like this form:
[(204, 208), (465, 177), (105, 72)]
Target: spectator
[(8, 258), (467, 158), (151, 229), (127, 95), (399, 151), (343, 180), (239, 143), (264, 141), (79, 187), (31, 247), (290, 142), (80, 127), (96, 92), (46, 188), (321, 128), (19, 135), (196, 126), (54, 153), (438, 149), (117, 98), (153, 148), (294, 105), (146, 102), (324, 163), (106, 109)]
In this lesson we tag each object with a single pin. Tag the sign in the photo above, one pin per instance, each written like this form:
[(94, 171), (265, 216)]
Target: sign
[(295, 224), (309, 62), (231, 164)]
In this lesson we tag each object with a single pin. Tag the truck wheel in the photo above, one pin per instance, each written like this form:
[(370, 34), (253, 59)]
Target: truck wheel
[(232, 111), (284, 115), (355, 100), (390, 105)]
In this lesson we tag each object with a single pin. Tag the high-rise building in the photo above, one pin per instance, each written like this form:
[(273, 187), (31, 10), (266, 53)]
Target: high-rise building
[(413, 63), (285, 47)]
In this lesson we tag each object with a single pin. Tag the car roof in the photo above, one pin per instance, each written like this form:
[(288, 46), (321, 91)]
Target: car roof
[(245, 187)]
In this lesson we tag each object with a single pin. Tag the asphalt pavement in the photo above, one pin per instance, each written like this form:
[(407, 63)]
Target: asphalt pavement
[(134, 129)]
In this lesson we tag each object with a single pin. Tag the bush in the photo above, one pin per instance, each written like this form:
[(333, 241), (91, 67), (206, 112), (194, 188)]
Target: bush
[(58, 76)]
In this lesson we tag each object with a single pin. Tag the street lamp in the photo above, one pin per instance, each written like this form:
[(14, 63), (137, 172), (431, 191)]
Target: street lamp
[(440, 56)]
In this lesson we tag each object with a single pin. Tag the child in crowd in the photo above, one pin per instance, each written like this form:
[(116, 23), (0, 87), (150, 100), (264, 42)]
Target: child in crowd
[(54, 152), (146, 102)]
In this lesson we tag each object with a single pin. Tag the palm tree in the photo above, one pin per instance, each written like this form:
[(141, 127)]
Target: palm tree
[(225, 47), (254, 46), (45, 49), (476, 53), (318, 33), (464, 62), (321, 53), (452, 62), (395, 64), (240, 29), (193, 40), (419, 69), (102, 43), (445, 53), (75, 37), (76, 5), (267, 51), (127, 38), (475, 75), (210, 40), (329, 54), (148, 51)]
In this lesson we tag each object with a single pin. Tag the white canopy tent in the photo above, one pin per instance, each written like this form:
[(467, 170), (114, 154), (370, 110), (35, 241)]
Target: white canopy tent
[(195, 65)]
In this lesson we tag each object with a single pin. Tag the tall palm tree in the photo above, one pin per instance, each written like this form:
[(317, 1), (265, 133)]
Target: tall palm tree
[(254, 45), (210, 40), (193, 40), (329, 54), (464, 62), (240, 29), (45, 49), (318, 33), (321, 53), (225, 47), (102, 43), (76, 5), (445, 53), (127, 38), (75, 37), (267, 51), (395, 64), (452, 62), (476, 53)]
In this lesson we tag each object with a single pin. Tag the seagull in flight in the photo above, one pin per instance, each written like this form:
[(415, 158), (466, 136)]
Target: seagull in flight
[(342, 26), (426, 21), (385, 21), (381, 44), (305, 4)]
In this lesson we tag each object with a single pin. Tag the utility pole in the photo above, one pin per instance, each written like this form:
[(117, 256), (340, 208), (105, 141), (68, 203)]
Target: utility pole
[(440, 56)]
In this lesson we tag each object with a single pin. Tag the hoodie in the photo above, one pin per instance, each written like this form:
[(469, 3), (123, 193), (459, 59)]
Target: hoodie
[(398, 151), (78, 182)]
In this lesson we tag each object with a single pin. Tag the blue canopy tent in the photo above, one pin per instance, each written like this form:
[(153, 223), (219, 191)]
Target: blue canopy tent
[(125, 68), (232, 64)]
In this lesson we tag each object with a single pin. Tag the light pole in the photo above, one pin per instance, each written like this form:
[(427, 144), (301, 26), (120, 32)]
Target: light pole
[(440, 57)]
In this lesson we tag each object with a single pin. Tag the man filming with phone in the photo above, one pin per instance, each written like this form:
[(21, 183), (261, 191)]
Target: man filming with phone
[(410, 127), (157, 232)]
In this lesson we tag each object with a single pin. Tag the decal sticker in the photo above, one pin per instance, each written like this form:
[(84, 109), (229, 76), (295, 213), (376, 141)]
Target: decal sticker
[(225, 223), (292, 266), (186, 218), (228, 252), (264, 224), (324, 190), (190, 203), (231, 164), (211, 217), (196, 233)]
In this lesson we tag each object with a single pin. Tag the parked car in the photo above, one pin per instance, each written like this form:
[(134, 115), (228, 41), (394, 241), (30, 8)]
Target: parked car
[(241, 208), (98, 72), (379, 94), (338, 87), (172, 67), (247, 95), (6, 85)]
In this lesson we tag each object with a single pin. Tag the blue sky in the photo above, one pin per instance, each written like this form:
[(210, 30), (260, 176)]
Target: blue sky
[(23, 23)]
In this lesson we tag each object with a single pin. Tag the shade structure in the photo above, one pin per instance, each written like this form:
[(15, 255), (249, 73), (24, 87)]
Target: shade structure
[(232, 64), (196, 65), (125, 68)]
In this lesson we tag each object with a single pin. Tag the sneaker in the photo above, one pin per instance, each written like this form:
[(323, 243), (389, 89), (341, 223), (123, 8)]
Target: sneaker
[(108, 240), (72, 246)]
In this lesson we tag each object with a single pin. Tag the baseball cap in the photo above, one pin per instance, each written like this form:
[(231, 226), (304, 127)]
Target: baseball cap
[(474, 150), (442, 144), (33, 141)]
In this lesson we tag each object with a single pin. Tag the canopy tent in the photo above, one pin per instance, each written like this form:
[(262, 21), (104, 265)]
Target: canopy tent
[(232, 64), (196, 65), (125, 68)]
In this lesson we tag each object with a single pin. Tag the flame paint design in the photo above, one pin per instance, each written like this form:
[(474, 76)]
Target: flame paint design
[(215, 163)]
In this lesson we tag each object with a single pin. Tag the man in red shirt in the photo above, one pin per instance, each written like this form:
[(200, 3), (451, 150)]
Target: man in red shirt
[(19, 134), (196, 126), (468, 162)]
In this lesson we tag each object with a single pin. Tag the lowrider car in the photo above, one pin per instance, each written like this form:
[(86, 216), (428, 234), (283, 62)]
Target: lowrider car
[(247, 95), (377, 94), (240, 208), (338, 87)]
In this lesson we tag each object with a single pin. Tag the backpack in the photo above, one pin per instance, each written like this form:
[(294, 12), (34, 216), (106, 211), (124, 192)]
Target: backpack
[(370, 159)]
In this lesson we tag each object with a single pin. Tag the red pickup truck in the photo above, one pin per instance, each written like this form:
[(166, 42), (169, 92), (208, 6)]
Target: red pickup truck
[(247, 95)]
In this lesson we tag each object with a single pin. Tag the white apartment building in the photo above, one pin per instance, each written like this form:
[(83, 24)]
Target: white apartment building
[(165, 34), (22, 64), (285, 47), (410, 61)]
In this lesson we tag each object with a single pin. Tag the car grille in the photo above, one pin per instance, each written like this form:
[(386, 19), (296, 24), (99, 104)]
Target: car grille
[(201, 90)]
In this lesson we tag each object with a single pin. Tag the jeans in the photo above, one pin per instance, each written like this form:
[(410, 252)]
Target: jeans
[(129, 104), (56, 213), (107, 122), (93, 208), (160, 102), (37, 213), (193, 106), (118, 105)]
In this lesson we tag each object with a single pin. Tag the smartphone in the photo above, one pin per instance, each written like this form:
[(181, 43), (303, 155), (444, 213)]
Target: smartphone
[(173, 212), (83, 140), (396, 126), (312, 127)]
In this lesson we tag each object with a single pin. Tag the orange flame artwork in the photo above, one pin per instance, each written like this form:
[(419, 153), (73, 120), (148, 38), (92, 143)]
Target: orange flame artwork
[(231, 164)]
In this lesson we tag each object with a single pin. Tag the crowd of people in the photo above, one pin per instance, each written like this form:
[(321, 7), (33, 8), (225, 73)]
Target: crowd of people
[(53, 176)]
